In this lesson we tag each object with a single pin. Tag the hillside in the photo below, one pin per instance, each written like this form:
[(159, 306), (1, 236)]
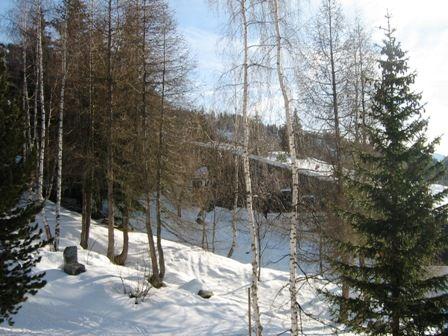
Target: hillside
[(93, 303)]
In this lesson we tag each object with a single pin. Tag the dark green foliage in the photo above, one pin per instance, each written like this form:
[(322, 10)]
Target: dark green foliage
[(19, 237), (398, 222)]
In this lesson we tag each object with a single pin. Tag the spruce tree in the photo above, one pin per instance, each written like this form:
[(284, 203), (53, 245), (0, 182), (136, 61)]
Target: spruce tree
[(397, 219), (19, 237)]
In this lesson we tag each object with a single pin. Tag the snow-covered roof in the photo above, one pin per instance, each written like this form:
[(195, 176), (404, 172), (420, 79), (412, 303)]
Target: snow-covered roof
[(308, 166)]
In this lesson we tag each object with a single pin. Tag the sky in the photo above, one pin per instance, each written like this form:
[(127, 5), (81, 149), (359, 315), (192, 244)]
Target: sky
[(422, 27)]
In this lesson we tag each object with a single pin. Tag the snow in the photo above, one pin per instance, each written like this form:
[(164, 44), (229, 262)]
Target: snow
[(94, 303), (308, 166)]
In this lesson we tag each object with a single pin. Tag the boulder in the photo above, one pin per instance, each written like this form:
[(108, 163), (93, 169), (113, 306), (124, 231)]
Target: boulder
[(70, 255), (74, 269), (71, 264), (206, 294)]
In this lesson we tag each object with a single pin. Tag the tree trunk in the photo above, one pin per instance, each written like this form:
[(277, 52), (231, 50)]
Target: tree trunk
[(86, 213), (110, 155), (159, 167), (247, 177), (335, 104), (60, 139), (121, 258), (88, 179), (338, 159), (36, 100), (26, 100), (295, 174), (159, 239), (155, 277), (235, 207), (41, 159), (214, 230)]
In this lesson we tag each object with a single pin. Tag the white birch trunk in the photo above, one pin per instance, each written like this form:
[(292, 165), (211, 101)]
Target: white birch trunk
[(247, 177), (41, 158), (26, 99), (295, 176), (36, 100), (60, 139), (235, 207)]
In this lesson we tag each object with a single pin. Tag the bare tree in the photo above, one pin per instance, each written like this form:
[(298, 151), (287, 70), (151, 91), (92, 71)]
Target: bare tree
[(43, 134), (243, 12), (282, 80), (23, 28), (60, 131), (41, 159), (155, 276), (87, 178), (110, 142)]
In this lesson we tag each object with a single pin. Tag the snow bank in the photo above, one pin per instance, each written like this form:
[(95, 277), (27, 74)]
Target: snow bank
[(94, 302)]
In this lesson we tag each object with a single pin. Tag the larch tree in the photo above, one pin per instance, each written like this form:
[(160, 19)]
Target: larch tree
[(86, 27), (327, 95), (110, 132), (146, 27)]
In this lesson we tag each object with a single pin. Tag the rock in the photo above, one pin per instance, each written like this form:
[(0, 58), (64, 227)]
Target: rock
[(74, 269), (206, 294), (71, 264), (70, 255)]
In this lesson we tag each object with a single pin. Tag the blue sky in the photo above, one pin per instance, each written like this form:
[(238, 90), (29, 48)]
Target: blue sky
[(5, 5), (422, 27)]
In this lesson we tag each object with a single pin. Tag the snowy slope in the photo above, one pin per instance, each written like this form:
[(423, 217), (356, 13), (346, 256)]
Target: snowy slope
[(93, 303)]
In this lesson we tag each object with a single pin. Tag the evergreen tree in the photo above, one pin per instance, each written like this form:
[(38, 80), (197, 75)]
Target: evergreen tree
[(19, 237), (397, 219)]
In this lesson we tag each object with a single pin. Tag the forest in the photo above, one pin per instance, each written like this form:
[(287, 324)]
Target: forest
[(212, 219)]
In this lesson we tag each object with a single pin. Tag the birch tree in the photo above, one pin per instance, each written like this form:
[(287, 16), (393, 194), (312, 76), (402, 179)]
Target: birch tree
[(246, 169), (276, 10), (41, 157), (61, 129), (43, 135), (23, 29), (241, 19)]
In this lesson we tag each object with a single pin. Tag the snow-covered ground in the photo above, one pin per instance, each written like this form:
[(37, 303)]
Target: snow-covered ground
[(94, 302)]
